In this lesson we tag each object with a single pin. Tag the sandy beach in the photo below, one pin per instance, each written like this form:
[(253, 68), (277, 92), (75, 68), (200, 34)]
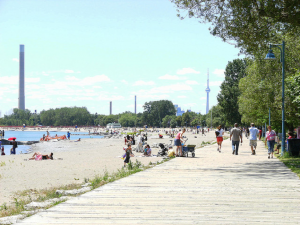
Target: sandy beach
[(79, 160)]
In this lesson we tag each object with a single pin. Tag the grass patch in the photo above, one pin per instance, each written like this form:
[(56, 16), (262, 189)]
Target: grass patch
[(24, 197), (2, 163), (292, 162)]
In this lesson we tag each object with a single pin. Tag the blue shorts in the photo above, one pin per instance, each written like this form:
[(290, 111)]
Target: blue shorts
[(177, 142)]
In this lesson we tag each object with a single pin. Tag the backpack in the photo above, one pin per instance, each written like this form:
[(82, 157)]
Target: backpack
[(217, 133)]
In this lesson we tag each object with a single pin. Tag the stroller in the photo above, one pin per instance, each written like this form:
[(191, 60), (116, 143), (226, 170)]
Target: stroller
[(163, 150), (187, 149)]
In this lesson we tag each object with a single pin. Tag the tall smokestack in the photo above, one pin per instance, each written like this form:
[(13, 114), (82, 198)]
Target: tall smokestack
[(135, 104), (21, 78), (110, 107)]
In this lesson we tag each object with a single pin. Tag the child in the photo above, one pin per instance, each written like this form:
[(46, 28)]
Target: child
[(128, 152), (145, 150), (148, 150)]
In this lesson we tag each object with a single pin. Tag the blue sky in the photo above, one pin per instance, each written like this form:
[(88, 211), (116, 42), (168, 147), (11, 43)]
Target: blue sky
[(90, 52)]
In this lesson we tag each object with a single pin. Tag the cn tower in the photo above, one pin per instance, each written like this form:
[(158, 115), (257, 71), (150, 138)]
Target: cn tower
[(207, 93)]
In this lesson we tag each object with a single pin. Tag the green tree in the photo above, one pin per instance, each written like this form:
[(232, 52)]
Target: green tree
[(186, 119), (229, 93), (178, 120), (166, 122), (262, 88), (248, 23), (217, 116), (155, 111)]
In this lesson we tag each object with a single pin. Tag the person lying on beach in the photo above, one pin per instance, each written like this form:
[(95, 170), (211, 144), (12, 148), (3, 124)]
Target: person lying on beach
[(78, 140), (39, 156)]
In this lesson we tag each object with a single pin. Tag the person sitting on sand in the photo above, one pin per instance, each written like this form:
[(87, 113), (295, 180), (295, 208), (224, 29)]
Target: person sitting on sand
[(39, 156), (148, 150), (145, 150)]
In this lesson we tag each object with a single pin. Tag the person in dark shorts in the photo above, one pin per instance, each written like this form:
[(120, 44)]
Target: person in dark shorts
[(14, 146), (128, 152)]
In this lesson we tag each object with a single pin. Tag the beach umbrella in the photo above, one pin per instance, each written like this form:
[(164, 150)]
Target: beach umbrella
[(11, 138)]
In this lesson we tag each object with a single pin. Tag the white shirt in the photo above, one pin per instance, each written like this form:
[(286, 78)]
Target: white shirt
[(253, 133), (221, 133)]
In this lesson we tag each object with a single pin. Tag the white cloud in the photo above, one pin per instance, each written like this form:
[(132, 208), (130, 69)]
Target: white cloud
[(149, 97), (124, 81), (115, 87), (191, 82), (203, 98), (182, 96), (10, 80), (219, 72), (215, 83), (171, 77), (171, 88), (71, 80), (15, 59), (187, 71), (32, 79), (69, 71), (111, 97), (137, 106), (141, 83)]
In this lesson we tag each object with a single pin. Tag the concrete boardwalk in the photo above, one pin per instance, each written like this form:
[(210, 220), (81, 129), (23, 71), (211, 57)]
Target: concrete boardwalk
[(212, 188)]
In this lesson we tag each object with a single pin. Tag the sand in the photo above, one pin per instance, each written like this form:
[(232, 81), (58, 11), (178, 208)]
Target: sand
[(80, 160)]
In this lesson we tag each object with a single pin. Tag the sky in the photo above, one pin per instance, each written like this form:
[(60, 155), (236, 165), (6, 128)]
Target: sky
[(86, 53)]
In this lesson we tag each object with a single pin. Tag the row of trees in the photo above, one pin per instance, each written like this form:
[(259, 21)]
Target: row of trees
[(156, 114), (253, 86)]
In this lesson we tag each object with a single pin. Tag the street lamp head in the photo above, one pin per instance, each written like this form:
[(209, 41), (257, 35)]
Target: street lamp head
[(270, 55)]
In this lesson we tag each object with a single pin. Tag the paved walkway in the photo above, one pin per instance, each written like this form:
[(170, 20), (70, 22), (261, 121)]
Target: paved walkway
[(212, 188)]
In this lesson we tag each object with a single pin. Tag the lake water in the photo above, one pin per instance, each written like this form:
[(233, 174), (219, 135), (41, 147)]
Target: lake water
[(36, 136)]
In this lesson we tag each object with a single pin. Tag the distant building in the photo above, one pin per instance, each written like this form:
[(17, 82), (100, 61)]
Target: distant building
[(179, 112)]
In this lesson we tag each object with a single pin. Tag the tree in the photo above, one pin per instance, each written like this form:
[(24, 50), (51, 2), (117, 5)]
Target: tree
[(217, 116), (249, 23), (178, 120), (261, 89), (229, 93), (155, 111)]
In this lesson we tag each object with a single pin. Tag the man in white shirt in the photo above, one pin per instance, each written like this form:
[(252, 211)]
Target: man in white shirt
[(253, 138)]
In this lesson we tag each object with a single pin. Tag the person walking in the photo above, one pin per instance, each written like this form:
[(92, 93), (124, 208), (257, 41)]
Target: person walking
[(253, 132), (140, 144), (236, 135), (270, 139), (203, 132), (248, 132), (260, 133), (219, 135), (177, 141)]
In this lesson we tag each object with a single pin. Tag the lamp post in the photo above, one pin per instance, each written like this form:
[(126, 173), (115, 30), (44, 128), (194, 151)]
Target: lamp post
[(271, 56), (269, 117)]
